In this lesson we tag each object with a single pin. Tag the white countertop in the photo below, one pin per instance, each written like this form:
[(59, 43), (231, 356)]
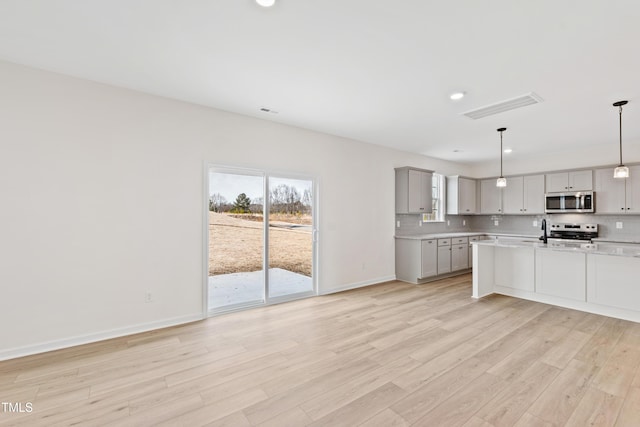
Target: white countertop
[(462, 234), (630, 240), (616, 249)]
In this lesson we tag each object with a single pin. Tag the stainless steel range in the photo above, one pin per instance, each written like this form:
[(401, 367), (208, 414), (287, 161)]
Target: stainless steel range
[(578, 233)]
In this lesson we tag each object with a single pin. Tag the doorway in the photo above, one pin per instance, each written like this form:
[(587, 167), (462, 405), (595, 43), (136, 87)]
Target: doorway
[(261, 239)]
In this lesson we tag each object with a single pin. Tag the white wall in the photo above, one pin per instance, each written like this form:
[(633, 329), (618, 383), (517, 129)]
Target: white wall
[(102, 200)]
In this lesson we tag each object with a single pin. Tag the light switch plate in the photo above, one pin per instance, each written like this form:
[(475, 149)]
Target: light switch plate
[(535, 223), (464, 222), (496, 222), (448, 223), (619, 224), (398, 224)]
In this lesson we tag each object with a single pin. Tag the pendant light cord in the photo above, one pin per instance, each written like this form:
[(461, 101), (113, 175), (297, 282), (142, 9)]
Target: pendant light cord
[(620, 114), (502, 151)]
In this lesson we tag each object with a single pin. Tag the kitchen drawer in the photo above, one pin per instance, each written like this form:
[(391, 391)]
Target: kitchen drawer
[(459, 240), (444, 242)]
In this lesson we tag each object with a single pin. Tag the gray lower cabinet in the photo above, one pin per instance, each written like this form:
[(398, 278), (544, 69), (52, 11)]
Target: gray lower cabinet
[(418, 260), (460, 254), (429, 249), (444, 256), (472, 239)]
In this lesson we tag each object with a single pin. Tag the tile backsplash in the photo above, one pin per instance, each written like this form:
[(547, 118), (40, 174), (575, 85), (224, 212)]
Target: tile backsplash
[(520, 224), (413, 225)]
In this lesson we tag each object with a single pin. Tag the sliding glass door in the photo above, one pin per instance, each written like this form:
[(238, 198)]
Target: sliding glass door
[(236, 240), (260, 249), (290, 237)]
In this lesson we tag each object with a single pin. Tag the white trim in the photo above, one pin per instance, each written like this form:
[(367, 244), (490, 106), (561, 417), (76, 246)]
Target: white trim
[(205, 240), (100, 336), (588, 307), (266, 174), (291, 297), (358, 285), (266, 236)]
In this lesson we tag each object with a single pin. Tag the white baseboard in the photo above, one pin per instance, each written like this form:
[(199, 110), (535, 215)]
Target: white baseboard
[(358, 285), (589, 307), (13, 353)]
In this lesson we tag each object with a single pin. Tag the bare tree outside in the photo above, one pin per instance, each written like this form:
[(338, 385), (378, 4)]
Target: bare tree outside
[(217, 202), (287, 199)]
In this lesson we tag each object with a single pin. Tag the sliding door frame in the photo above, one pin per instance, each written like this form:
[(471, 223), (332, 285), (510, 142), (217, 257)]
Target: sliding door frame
[(265, 174)]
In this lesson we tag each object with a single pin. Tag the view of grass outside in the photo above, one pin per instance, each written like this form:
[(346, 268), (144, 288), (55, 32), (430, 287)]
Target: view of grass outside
[(236, 242), (236, 239)]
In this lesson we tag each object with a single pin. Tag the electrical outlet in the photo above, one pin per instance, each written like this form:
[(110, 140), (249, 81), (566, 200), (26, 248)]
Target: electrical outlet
[(398, 224), (448, 223), (420, 223), (148, 297), (619, 224), (496, 222), (464, 222), (535, 223)]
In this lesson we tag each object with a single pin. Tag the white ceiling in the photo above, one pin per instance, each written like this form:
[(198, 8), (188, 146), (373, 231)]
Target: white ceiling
[(372, 70)]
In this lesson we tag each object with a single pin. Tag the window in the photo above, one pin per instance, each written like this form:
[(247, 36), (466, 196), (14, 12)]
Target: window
[(437, 214)]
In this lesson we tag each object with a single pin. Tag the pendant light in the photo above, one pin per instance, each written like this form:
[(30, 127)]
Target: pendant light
[(502, 181), (266, 3), (621, 171)]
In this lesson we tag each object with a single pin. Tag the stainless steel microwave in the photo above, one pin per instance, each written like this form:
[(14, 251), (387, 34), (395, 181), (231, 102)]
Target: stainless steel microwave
[(578, 202)]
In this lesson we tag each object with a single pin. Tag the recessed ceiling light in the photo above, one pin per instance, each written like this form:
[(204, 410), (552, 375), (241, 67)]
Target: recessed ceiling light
[(508, 150), (457, 95), (266, 3)]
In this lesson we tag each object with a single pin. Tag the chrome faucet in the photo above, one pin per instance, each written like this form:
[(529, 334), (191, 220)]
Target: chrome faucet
[(544, 232)]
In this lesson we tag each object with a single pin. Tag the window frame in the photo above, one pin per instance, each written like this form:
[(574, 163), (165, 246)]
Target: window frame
[(438, 200)]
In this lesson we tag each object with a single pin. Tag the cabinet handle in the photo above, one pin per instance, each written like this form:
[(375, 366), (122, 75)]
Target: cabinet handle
[(621, 209), (628, 208), (570, 187)]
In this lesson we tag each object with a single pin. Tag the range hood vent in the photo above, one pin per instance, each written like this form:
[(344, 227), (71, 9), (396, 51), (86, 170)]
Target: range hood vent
[(500, 107)]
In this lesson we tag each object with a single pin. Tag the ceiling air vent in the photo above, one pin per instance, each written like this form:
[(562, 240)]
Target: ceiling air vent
[(500, 107)]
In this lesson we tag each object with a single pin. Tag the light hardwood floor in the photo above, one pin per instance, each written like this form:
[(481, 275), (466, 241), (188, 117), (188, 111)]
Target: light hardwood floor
[(387, 355)]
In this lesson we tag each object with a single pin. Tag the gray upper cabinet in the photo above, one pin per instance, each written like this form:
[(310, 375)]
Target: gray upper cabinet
[(461, 195), (616, 196), (413, 190), (533, 196), (524, 195), (512, 195), (569, 181), (490, 197)]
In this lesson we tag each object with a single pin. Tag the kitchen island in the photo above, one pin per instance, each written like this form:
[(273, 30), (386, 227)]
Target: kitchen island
[(599, 278)]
